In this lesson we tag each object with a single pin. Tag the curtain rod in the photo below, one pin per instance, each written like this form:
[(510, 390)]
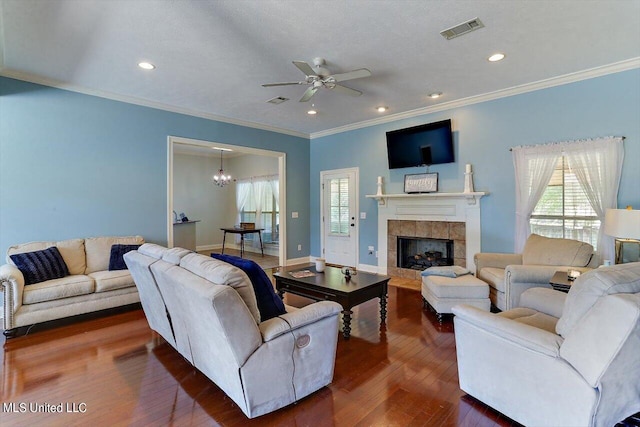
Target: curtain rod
[(575, 140)]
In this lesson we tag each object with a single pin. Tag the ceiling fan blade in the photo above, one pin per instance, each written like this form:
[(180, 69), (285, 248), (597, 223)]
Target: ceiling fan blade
[(355, 74), (283, 84), (309, 93), (305, 68), (346, 90)]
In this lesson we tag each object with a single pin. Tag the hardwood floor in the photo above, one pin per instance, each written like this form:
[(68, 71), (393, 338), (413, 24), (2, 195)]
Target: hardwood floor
[(115, 371)]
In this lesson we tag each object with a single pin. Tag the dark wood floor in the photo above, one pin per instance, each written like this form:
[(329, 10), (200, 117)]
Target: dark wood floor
[(120, 373)]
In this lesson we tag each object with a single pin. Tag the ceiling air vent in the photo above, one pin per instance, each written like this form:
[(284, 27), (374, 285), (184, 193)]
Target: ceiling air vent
[(460, 29), (278, 100)]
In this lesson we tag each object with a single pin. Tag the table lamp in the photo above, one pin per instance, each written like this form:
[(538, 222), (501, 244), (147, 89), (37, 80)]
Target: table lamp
[(624, 226)]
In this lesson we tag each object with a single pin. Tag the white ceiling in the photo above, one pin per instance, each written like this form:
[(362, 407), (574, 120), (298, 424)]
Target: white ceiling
[(213, 56)]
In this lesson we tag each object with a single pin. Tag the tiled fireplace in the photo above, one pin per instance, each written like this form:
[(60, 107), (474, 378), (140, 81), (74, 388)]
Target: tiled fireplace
[(447, 216), (441, 231)]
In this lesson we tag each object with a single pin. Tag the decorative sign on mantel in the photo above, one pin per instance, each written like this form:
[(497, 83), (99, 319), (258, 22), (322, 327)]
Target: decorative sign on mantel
[(421, 183)]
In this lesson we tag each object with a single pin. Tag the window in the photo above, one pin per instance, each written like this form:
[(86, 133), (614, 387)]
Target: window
[(564, 188), (339, 206), (564, 209), (257, 202), (270, 218)]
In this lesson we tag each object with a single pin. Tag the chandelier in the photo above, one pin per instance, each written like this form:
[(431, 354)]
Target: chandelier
[(221, 179)]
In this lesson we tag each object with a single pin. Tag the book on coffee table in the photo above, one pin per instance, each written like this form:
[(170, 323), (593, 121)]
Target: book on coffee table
[(302, 273)]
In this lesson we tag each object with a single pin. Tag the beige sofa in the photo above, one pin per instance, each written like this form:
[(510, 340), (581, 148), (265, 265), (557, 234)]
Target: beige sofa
[(207, 310), (558, 359), (509, 275), (89, 287)]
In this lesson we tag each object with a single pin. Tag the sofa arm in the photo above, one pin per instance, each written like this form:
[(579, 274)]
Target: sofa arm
[(290, 321), (495, 260), (519, 278), (12, 284), (524, 335)]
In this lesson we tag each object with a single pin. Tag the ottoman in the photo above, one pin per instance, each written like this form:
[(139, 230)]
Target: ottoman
[(442, 293)]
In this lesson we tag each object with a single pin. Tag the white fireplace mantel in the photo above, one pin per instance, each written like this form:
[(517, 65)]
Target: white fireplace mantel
[(449, 207), (471, 198)]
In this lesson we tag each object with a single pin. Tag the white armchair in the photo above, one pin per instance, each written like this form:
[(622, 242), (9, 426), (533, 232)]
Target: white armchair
[(509, 275), (560, 359)]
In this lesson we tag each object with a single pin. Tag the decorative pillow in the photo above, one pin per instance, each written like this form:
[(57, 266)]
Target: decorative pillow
[(269, 303), (116, 260), (452, 271), (40, 266)]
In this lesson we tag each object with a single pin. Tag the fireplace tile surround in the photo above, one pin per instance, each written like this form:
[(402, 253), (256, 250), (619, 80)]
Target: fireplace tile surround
[(454, 216), (455, 231)]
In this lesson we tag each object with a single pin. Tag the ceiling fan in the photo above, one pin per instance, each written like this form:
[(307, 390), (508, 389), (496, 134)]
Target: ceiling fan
[(320, 77)]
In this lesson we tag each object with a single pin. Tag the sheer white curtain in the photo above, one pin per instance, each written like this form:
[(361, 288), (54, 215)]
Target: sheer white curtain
[(597, 164), (256, 193), (243, 195), (275, 189), (261, 189), (533, 168)]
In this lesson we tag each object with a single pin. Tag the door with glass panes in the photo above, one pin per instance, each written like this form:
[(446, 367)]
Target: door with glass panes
[(339, 224)]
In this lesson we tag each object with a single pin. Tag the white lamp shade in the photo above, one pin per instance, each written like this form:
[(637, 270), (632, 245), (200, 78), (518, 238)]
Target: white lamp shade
[(622, 223)]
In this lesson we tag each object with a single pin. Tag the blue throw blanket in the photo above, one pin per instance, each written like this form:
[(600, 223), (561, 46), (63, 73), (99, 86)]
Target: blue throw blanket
[(446, 271), (269, 303)]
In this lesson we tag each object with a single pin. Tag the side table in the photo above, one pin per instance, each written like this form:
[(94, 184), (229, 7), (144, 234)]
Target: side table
[(560, 281)]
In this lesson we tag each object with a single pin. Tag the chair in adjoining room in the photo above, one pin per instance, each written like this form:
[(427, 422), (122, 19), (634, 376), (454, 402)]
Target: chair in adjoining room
[(558, 359), (509, 275)]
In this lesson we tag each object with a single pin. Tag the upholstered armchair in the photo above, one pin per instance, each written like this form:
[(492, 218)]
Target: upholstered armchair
[(509, 275), (559, 359)]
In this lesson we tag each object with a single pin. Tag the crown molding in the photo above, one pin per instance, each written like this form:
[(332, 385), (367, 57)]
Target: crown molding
[(143, 102), (616, 67)]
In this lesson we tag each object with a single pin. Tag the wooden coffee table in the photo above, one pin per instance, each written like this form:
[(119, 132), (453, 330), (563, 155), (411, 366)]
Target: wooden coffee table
[(331, 285)]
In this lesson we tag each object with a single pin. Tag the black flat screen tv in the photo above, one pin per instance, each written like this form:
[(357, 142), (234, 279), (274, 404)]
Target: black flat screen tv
[(423, 145)]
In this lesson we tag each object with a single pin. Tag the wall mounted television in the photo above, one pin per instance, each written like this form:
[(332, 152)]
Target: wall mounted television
[(422, 145)]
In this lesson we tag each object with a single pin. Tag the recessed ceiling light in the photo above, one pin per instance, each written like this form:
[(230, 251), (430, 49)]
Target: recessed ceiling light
[(382, 109), (435, 95), (146, 65), (312, 112), (221, 149), (496, 57)]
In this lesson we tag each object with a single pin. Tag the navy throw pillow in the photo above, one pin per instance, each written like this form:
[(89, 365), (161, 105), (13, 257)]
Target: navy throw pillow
[(269, 303), (116, 260), (40, 266)]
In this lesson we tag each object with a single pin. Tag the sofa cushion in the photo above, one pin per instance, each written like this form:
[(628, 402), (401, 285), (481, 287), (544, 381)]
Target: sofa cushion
[(110, 280), (222, 273), (531, 317), (152, 250), (72, 252), (40, 266), (270, 304), (466, 286), (116, 262), (98, 250), (552, 251), (69, 286), (591, 286), (494, 277), (174, 255)]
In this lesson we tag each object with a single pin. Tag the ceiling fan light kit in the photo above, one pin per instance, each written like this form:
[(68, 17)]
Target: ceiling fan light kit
[(319, 77)]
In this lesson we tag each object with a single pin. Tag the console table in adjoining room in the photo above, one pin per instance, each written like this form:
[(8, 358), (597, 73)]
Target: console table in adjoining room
[(242, 232)]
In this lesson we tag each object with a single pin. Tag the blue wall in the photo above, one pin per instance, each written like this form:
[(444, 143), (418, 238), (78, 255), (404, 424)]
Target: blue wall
[(73, 165), (483, 134)]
